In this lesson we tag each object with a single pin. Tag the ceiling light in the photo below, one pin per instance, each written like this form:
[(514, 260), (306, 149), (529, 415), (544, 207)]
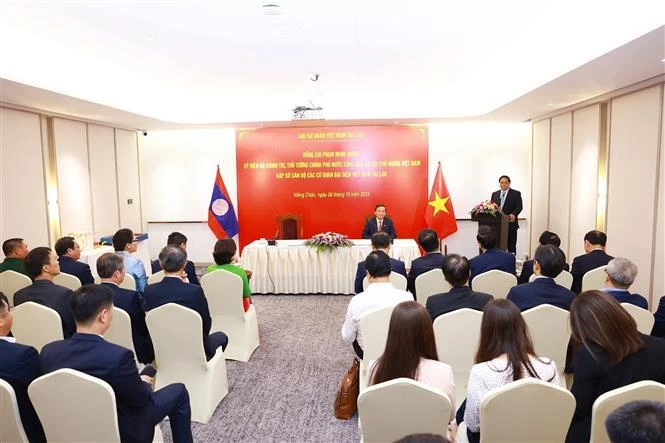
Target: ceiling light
[(271, 9)]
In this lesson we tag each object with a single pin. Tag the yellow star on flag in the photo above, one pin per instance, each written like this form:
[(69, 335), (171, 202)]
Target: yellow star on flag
[(439, 204)]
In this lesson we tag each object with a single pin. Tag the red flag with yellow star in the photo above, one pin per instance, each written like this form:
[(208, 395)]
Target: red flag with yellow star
[(439, 213)]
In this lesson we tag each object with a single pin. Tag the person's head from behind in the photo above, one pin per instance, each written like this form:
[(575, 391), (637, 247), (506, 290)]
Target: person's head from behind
[(42, 264), (173, 259), (640, 421), (410, 338), (486, 238), (68, 247), (381, 241), (15, 248), (224, 251), (594, 239), (123, 240), (380, 211), (456, 270), (111, 267), (177, 239), (549, 238), (92, 308), (548, 261), (428, 239), (6, 317), (377, 266), (621, 273), (598, 321)]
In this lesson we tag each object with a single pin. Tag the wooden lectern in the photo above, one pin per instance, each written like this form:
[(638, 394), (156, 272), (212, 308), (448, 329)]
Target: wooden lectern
[(498, 223)]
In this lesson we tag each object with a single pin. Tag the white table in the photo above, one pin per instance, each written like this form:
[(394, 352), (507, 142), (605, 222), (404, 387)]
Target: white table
[(293, 268)]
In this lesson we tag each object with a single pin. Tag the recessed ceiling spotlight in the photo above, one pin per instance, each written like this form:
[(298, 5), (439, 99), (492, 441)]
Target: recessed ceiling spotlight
[(271, 9), (550, 104), (663, 60)]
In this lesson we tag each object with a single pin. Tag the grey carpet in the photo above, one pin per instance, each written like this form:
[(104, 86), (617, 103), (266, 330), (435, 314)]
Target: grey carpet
[(285, 392)]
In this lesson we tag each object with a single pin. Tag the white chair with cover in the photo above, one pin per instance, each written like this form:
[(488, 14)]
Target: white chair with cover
[(36, 325), (527, 410), (430, 283), (12, 281), (11, 427), (457, 334), (128, 282), (494, 282), (548, 327), (180, 358), (397, 408), (223, 290), (156, 277), (374, 331), (564, 279), (594, 279), (67, 280), (610, 401), (642, 317), (396, 279), (120, 331)]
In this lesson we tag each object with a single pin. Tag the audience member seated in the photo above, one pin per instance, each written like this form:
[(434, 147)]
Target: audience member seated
[(411, 352), (505, 354), (640, 421), (225, 258), (546, 238), (547, 264), (621, 273), (111, 270), (42, 265), (433, 258), (15, 250), (125, 243), (19, 366), (69, 252), (178, 239), (380, 242), (139, 409), (380, 223), (491, 257), (379, 294), (611, 353), (659, 325), (595, 257), (456, 272), (173, 290)]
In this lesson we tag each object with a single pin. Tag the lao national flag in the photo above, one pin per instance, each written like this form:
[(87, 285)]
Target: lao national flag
[(222, 218), (439, 214)]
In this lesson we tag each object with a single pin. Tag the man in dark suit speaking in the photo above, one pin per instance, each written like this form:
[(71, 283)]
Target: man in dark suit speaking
[(510, 203), (379, 224)]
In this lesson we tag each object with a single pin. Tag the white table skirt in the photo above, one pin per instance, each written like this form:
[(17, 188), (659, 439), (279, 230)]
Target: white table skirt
[(293, 268)]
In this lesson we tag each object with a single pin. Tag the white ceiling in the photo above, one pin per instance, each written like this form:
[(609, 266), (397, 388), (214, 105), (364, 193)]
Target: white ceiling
[(158, 64)]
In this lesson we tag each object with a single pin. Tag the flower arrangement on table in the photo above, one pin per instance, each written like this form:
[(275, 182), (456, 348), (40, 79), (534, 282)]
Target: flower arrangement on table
[(327, 241), (485, 207)]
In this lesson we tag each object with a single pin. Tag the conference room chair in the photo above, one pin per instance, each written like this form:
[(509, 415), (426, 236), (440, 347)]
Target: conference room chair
[(11, 427), (457, 334), (36, 325), (66, 393), (180, 358), (594, 279), (223, 290), (396, 279), (642, 317), (11, 282), (67, 280), (494, 282), (394, 409), (430, 283), (128, 282), (548, 327), (610, 401), (156, 277), (564, 279), (120, 332), (289, 227), (374, 330)]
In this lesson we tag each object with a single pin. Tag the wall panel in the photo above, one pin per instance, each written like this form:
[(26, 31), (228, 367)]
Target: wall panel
[(540, 183), (103, 181), (659, 243), (560, 153), (129, 192)]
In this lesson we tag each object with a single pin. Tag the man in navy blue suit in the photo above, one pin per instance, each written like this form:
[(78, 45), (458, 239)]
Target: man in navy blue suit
[(547, 263), (381, 242), (620, 274), (428, 239), (139, 409), (380, 223), (19, 366), (491, 257), (595, 257), (546, 238), (111, 269), (178, 239), (173, 290), (510, 202), (69, 252), (659, 325)]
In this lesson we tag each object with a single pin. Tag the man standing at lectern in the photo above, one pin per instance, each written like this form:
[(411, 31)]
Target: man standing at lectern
[(510, 203)]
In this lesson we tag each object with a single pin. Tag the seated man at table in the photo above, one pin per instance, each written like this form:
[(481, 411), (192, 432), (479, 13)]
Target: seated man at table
[(619, 275), (428, 239), (380, 242), (69, 252), (125, 243), (491, 257), (178, 239), (380, 223), (15, 250)]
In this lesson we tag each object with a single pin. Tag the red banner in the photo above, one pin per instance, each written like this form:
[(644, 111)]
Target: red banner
[(332, 177)]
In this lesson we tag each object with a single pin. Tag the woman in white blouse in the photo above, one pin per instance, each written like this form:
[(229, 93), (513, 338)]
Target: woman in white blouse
[(505, 354), (411, 352)]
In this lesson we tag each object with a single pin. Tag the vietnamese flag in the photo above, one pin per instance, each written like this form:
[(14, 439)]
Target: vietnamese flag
[(221, 215), (439, 213)]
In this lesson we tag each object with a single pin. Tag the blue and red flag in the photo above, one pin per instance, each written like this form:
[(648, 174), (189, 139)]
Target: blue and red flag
[(222, 218)]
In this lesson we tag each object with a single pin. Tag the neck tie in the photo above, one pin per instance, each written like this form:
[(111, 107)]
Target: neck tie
[(380, 225), (503, 199)]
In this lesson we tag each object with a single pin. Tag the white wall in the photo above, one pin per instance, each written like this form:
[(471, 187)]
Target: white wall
[(103, 181), (540, 192), (129, 190), (560, 153), (658, 272)]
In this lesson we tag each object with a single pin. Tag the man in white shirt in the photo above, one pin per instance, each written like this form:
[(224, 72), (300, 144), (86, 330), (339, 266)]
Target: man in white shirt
[(379, 294)]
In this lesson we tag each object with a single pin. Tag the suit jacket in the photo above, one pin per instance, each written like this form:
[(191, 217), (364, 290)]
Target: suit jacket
[(626, 297), (584, 263), (371, 227), (130, 302), (190, 270), (541, 291), (395, 266), (492, 259), (56, 297), (429, 261), (81, 270), (659, 316), (13, 264), (512, 204), (91, 354), (457, 298), (527, 271), (19, 366)]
